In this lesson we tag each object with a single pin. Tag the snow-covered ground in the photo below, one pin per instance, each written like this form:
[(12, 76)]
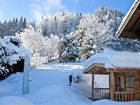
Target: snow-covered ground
[(48, 86)]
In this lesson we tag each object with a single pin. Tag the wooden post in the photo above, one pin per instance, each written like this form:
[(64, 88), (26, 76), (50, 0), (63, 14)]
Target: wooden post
[(92, 87), (112, 85)]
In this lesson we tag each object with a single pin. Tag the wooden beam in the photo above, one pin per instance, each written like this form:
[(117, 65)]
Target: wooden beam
[(112, 85), (136, 28), (92, 87), (134, 19), (125, 82), (132, 35), (94, 65), (125, 70)]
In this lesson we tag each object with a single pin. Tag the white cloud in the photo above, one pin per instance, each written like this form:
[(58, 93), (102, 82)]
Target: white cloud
[(36, 11), (43, 7), (53, 5)]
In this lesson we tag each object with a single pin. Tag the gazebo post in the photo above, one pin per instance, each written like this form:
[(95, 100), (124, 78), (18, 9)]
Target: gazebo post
[(112, 85), (92, 87)]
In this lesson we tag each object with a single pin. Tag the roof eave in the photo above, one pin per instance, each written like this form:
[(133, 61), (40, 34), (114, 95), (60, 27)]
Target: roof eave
[(127, 18)]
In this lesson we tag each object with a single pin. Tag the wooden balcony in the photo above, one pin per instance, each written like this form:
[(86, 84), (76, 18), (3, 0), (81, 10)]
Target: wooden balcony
[(124, 96)]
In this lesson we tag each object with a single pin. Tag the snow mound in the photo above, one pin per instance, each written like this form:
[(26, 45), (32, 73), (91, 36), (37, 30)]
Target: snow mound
[(14, 100), (109, 102)]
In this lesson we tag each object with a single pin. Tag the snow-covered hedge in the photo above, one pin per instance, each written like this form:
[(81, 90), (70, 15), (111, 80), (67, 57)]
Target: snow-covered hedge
[(11, 54)]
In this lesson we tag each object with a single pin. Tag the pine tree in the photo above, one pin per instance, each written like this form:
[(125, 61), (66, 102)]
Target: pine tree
[(96, 29), (68, 49)]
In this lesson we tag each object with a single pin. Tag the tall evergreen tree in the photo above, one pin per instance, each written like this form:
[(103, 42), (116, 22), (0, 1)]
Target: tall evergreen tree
[(68, 49)]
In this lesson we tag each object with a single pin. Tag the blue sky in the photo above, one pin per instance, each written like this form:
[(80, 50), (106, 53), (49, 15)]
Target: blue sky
[(33, 9)]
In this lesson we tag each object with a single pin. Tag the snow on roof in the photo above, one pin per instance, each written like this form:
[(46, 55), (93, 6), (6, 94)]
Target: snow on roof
[(114, 59), (127, 17)]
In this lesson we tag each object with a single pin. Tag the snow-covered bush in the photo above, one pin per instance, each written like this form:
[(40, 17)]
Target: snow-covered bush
[(42, 49), (11, 53)]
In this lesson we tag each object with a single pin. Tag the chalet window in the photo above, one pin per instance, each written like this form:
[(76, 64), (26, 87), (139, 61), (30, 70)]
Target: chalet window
[(129, 81)]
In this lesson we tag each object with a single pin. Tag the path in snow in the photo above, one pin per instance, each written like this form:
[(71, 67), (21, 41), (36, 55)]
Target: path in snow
[(50, 86)]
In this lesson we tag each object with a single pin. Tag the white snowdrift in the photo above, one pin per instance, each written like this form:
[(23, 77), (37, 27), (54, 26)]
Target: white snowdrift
[(109, 102), (14, 100)]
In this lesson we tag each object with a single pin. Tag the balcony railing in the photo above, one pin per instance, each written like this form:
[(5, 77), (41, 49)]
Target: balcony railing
[(124, 96), (101, 93)]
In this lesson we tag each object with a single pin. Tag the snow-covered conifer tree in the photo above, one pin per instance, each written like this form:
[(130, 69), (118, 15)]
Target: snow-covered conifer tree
[(94, 30), (69, 51)]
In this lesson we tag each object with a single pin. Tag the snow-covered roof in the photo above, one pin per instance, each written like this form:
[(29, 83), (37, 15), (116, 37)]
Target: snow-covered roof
[(114, 59), (127, 17)]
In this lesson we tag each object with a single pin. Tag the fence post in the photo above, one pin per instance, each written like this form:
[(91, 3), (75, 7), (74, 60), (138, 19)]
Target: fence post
[(25, 89)]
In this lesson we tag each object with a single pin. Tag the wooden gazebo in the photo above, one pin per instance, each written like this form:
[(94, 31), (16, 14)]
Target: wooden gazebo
[(124, 76), (130, 26)]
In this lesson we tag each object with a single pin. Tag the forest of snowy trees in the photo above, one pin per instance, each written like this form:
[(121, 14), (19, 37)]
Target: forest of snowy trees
[(12, 26), (68, 37)]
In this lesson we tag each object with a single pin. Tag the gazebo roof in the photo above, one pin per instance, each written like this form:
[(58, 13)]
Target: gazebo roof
[(130, 26), (112, 59)]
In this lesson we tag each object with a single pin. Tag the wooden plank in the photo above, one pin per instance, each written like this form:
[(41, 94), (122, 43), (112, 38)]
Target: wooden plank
[(120, 96), (96, 70), (125, 82), (125, 70), (131, 34), (94, 67), (131, 98), (137, 86), (115, 97), (136, 27), (92, 87), (123, 95), (131, 24)]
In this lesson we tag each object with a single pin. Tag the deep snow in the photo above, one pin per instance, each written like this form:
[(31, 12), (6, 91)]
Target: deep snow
[(13, 100), (49, 86)]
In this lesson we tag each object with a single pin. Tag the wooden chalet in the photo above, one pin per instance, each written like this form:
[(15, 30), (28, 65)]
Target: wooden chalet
[(130, 26), (122, 70)]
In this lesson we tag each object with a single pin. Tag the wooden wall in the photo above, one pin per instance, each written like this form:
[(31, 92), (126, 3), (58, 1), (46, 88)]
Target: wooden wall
[(137, 86)]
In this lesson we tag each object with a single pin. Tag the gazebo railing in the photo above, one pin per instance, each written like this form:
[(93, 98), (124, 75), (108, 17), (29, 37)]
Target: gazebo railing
[(124, 96), (101, 93)]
